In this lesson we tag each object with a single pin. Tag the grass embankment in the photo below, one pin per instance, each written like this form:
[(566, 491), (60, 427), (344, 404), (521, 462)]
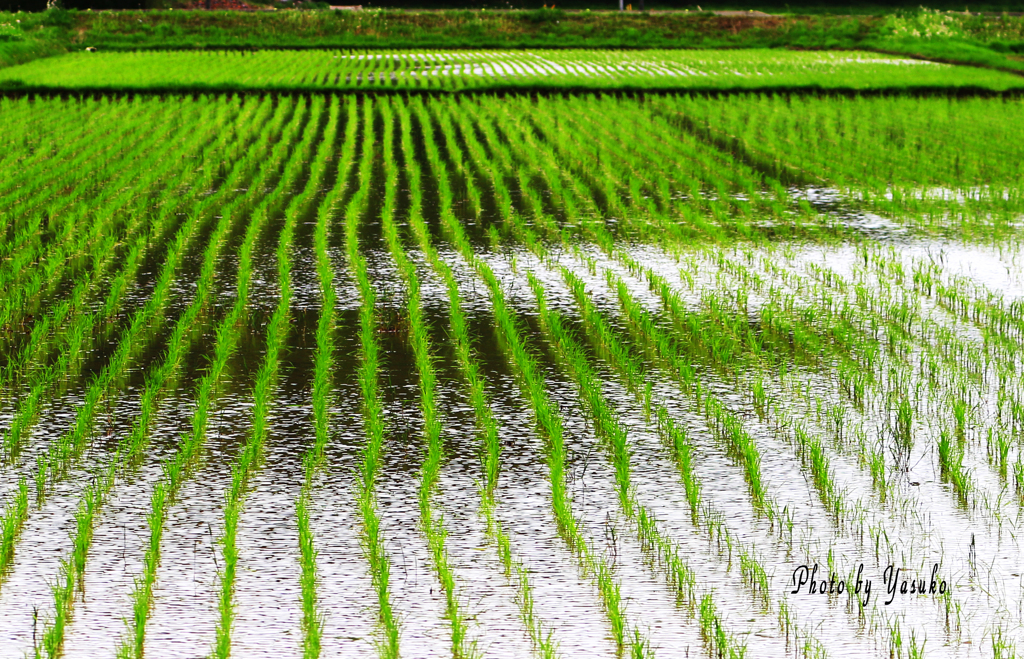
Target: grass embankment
[(991, 41), (25, 37)]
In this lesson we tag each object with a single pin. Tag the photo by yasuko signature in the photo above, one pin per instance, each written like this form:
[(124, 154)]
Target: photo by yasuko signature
[(897, 580)]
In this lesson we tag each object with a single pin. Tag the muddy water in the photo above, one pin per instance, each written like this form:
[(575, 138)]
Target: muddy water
[(119, 542), (940, 532), (659, 488), (923, 523), (25, 589)]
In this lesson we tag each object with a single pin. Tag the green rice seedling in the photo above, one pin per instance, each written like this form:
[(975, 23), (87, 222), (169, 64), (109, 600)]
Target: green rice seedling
[(813, 455), (15, 513), (514, 569), (130, 448), (760, 398), (251, 453), (718, 642), (952, 612), (959, 407), (998, 444), (1002, 647), (640, 647), (372, 412), (895, 639), (951, 459), (755, 574), (1018, 475), (433, 526), (312, 616), (682, 451), (879, 479), (915, 651), (182, 463)]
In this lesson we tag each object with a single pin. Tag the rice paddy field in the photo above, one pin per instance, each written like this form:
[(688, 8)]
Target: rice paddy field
[(531, 373), (477, 70)]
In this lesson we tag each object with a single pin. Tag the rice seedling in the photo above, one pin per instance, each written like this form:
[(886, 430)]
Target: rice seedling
[(182, 463), (742, 298), (433, 525), (54, 464), (312, 617), (368, 383), (951, 465)]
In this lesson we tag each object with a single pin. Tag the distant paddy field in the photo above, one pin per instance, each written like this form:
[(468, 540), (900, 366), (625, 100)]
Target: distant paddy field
[(481, 70), (290, 371)]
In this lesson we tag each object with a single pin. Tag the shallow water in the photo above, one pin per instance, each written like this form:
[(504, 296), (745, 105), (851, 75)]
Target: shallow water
[(940, 358)]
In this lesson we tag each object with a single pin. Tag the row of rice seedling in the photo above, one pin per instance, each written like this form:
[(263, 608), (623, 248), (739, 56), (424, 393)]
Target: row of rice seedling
[(132, 447), (273, 148), (313, 70), (433, 525), (313, 460), (814, 456), (53, 464), (369, 373), (469, 366), (251, 452), (76, 332)]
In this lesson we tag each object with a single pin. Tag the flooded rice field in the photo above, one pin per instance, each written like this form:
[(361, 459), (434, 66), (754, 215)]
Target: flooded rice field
[(497, 377), (478, 69)]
